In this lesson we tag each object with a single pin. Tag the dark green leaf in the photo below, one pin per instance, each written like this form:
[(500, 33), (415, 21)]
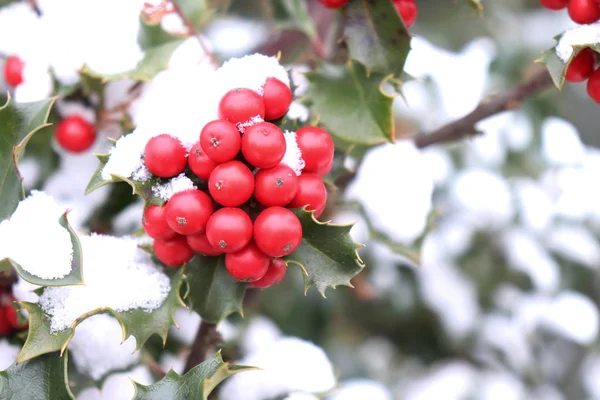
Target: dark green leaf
[(376, 36), (137, 323), (293, 15), (198, 383), (213, 293), (18, 122), (351, 104), (327, 255), (75, 277), (44, 377)]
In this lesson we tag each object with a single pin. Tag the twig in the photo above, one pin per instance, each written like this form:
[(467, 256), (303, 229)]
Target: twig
[(332, 37), (193, 31), (153, 365), (508, 100), (206, 340)]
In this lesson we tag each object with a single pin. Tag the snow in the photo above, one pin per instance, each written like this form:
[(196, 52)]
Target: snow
[(36, 220), (439, 164), (518, 134), (575, 243), (170, 361), (361, 389), (235, 36), (536, 206), (499, 386), (573, 316), (129, 220), (177, 184), (591, 374), (119, 386), (259, 334), (8, 354), (117, 274), (126, 157), (37, 82), (96, 348), (450, 238), (242, 126), (301, 396), (561, 144), (488, 149), (581, 35), (397, 207), (288, 365), (293, 154), (453, 381), (189, 322), (23, 291)]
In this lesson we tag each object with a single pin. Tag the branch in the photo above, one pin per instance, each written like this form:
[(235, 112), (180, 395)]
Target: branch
[(204, 345), (508, 100)]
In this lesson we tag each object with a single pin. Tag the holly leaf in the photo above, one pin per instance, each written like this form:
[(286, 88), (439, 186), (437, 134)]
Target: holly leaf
[(198, 383), (18, 122), (293, 15), (44, 377), (212, 292), (75, 277), (351, 104), (157, 46), (376, 36), (137, 323), (327, 254)]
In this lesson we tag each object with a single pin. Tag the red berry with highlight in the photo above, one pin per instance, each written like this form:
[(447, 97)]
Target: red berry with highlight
[(229, 229), (277, 97), (200, 244), (247, 265), (274, 275), (407, 10), (231, 184), (165, 156), (187, 212), (221, 140), (277, 231), (334, 3), (554, 4), (263, 145), (155, 223), (75, 134), (200, 163), (311, 191), (13, 71), (584, 11), (316, 146), (241, 105), (582, 66), (275, 186), (173, 252), (593, 86)]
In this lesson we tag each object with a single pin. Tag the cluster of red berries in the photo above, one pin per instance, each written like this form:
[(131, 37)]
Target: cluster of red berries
[(9, 321), (583, 67), (406, 8), (244, 212), (580, 11)]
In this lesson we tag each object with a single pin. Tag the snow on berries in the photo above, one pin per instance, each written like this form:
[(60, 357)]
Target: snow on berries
[(228, 190)]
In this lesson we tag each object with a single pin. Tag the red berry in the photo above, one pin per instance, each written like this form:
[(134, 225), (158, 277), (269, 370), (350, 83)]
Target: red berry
[(582, 66), (200, 164), (263, 145), (241, 105), (231, 184), (200, 244), (165, 156), (13, 71), (584, 11), (247, 265), (407, 10), (173, 252), (321, 172), (593, 86), (13, 318), (311, 191), (554, 4), (274, 275), (275, 186), (220, 140), (5, 328), (334, 3), (187, 212), (277, 231), (75, 134), (277, 97), (155, 223), (229, 229), (316, 146)]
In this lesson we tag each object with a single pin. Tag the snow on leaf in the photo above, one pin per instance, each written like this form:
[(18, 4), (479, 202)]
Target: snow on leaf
[(44, 377), (198, 383), (327, 254)]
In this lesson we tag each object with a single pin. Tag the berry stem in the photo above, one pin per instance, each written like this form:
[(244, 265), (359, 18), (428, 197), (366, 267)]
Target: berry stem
[(509, 100), (204, 345)]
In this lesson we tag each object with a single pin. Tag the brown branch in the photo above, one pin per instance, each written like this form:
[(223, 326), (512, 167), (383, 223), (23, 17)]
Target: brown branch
[(194, 32), (509, 100), (205, 343), (155, 367)]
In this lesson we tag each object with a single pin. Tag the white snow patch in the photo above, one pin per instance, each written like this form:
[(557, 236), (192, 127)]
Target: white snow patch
[(561, 143), (36, 220), (581, 35), (126, 157), (189, 322), (172, 361), (575, 243), (536, 207), (180, 183), (8, 354), (361, 389), (452, 381), (573, 316), (293, 154), (259, 334)]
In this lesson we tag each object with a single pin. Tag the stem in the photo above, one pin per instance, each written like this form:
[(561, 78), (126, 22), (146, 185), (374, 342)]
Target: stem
[(509, 100), (332, 38), (205, 343), (193, 31), (153, 365)]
